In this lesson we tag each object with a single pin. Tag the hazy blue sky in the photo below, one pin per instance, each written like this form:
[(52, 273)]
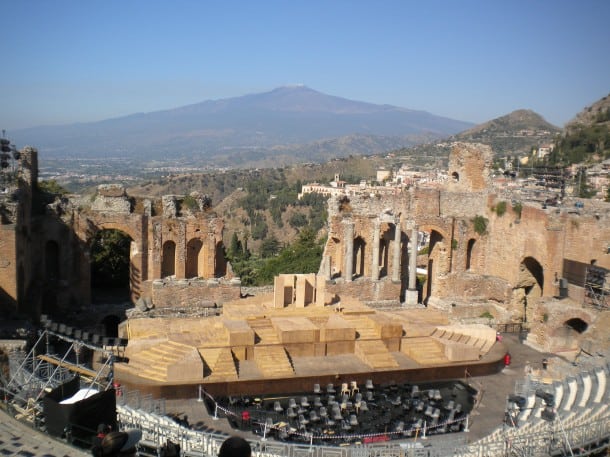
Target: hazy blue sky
[(76, 61)]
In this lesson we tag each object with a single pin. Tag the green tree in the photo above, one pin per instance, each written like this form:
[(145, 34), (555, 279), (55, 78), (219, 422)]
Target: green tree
[(110, 259), (269, 247)]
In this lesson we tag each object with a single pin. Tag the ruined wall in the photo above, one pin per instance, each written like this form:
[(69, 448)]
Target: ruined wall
[(518, 257), (366, 290), (184, 293), (17, 274)]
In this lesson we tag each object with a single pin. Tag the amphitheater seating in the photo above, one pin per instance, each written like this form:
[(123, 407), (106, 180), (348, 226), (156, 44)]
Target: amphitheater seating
[(586, 390), (571, 397), (600, 375)]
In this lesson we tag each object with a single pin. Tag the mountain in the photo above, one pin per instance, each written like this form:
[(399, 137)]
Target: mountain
[(596, 114), (288, 121), (513, 134), (586, 138)]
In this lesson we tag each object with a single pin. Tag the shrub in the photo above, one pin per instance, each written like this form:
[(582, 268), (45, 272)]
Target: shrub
[(480, 225), (517, 209), (501, 208)]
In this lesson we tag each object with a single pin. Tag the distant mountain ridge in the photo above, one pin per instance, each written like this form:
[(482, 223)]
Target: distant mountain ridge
[(513, 134), (286, 119)]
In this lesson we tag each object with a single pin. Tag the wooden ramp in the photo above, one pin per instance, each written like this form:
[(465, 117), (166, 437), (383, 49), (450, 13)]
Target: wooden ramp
[(424, 350), (70, 366), (273, 362), (375, 354), (153, 362), (452, 336), (221, 364)]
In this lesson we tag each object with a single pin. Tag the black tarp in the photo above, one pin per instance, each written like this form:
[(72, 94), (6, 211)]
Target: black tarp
[(81, 418)]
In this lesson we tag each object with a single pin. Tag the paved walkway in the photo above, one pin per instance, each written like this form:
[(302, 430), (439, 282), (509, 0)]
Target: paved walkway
[(18, 439)]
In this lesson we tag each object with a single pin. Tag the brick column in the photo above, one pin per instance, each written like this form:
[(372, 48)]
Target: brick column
[(411, 297), (375, 264), (348, 240), (396, 252)]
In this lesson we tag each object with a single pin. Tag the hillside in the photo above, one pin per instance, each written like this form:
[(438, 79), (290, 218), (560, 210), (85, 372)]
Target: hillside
[(515, 133), (282, 126), (586, 138), (596, 114)]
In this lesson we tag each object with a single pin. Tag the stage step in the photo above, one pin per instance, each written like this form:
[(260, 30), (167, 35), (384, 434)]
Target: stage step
[(273, 362), (375, 354), (424, 350), (221, 364)]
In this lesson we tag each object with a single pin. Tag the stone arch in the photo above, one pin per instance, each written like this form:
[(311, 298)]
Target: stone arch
[(168, 259), (567, 337), (359, 256), (455, 176), (577, 324), (471, 255), (194, 258), (438, 258), (335, 253), (220, 263), (531, 277), (384, 256), (132, 228)]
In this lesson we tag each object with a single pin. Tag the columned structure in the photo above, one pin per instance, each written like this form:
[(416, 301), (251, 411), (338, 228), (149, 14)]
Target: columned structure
[(348, 236), (411, 296), (375, 261), (396, 251)]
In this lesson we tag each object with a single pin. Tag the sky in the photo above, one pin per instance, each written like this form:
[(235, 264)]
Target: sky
[(68, 61)]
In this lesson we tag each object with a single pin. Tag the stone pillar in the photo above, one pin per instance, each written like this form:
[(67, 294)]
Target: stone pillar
[(411, 296), (375, 265), (348, 240), (396, 252)]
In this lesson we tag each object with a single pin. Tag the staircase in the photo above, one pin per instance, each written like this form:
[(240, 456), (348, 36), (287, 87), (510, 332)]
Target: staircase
[(375, 354), (424, 350), (364, 327), (264, 330), (273, 362), (153, 362), (221, 364)]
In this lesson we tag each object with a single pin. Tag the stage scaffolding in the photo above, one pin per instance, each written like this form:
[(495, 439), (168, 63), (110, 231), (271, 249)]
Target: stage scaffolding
[(52, 360)]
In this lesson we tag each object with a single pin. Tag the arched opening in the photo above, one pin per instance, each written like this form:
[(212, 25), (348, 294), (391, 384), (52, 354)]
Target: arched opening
[(111, 326), (567, 337), (469, 251), (52, 275), (110, 266), (429, 281), (531, 277), (359, 252), (336, 257), (220, 263), (168, 261), (383, 257), (194, 267), (455, 176), (577, 325)]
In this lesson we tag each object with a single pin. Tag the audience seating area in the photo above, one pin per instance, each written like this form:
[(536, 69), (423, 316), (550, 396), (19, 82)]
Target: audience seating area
[(347, 412), (572, 404)]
